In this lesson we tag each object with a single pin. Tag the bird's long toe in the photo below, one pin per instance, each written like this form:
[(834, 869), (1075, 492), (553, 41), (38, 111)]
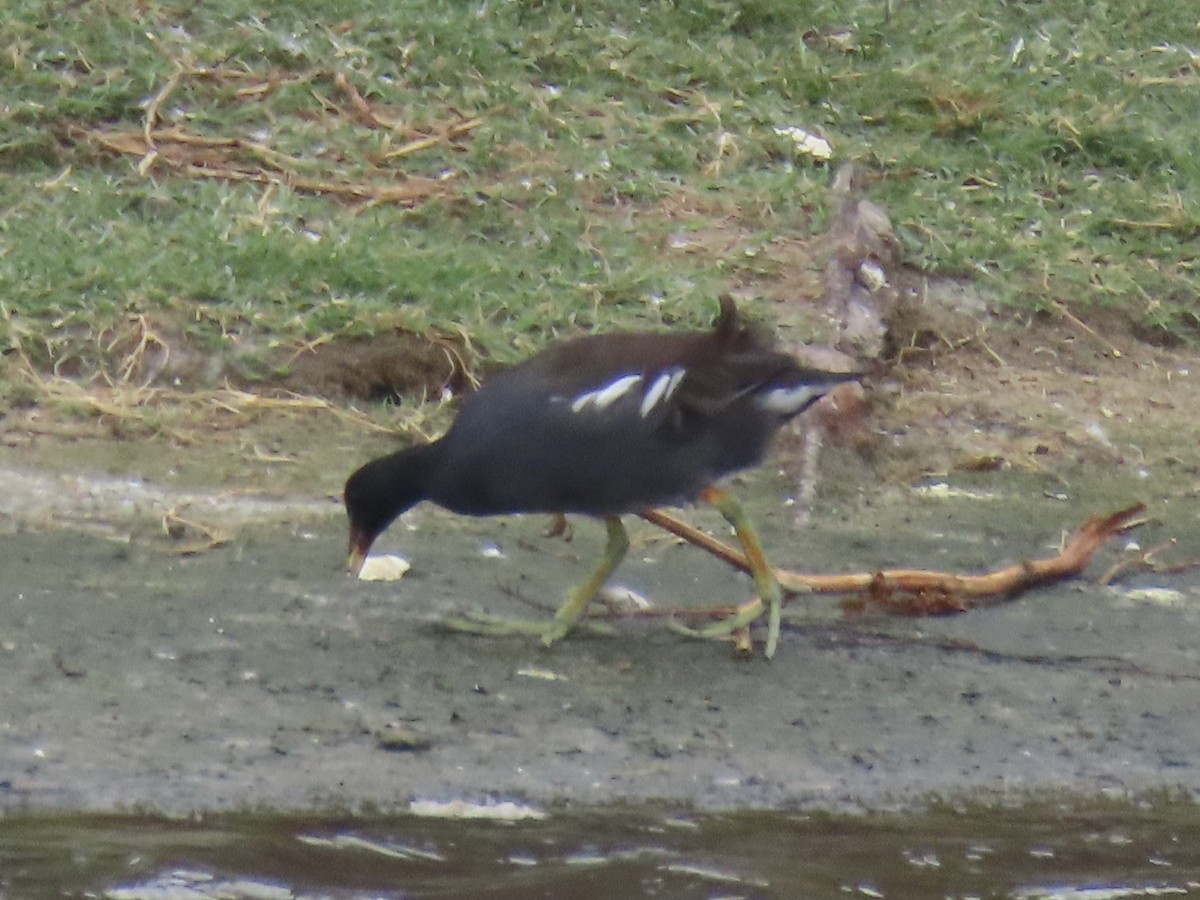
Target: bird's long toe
[(743, 617), (548, 630)]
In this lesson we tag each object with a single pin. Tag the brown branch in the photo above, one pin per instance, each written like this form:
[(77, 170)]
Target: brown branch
[(925, 592)]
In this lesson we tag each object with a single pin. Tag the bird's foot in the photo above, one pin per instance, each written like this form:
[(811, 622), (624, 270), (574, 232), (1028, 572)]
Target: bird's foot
[(742, 617), (549, 630), (735, 627)]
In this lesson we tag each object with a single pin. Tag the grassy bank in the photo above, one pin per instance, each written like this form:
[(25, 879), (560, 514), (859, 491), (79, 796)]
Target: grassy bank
[(250, 175)]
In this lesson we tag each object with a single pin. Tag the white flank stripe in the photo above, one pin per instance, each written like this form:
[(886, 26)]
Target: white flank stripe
[(786, 401), (676, 380), (604, 397), (663, 388)]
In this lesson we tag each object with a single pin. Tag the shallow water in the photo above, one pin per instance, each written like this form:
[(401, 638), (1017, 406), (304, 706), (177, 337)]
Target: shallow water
[(1064, 850)]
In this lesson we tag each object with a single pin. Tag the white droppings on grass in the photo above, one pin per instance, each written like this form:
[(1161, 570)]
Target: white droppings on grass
[(806, 143)]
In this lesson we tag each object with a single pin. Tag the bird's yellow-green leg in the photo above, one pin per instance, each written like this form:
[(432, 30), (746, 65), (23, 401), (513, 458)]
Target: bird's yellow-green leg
[(570, 613), (765, 583)]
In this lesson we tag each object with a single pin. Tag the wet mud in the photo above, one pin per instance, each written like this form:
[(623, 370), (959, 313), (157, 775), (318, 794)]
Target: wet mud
[(258, 675)]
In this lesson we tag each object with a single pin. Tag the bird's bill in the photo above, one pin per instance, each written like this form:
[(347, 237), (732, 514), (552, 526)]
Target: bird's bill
[(360, 545)]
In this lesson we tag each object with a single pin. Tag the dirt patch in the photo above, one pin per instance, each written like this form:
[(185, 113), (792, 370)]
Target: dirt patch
[(389, 366), (1049, 399)]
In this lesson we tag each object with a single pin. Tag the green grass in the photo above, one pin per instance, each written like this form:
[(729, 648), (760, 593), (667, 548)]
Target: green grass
[(1049, 151)]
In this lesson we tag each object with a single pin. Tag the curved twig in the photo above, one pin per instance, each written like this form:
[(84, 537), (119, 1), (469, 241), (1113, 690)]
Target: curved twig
[(922, 591)]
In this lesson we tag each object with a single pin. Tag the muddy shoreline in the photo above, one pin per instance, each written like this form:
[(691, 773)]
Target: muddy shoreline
[(257, 675)]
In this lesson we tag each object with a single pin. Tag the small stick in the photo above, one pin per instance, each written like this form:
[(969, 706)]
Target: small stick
[(1087, 329)]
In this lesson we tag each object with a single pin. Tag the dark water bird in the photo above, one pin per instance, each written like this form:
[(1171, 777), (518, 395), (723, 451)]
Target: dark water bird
[(604, 425)]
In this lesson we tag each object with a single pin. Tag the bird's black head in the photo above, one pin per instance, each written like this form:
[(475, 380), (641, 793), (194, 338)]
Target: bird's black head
[(379, 492)]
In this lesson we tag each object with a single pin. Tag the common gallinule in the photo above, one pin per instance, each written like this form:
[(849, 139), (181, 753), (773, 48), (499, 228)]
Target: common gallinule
[(604, 425)]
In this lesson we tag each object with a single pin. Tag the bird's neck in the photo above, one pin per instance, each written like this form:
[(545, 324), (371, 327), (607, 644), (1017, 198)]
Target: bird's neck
[(395, 483)]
